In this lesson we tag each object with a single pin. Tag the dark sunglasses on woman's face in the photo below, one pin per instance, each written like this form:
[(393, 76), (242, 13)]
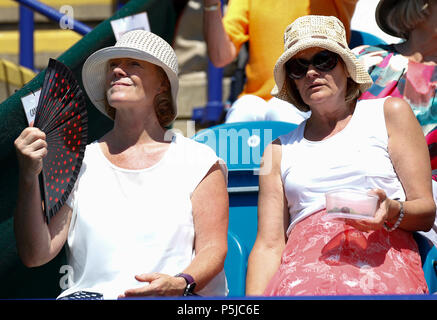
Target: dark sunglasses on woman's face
[(323, 61)]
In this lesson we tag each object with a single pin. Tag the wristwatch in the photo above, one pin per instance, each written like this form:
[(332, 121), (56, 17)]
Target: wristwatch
[(191, 284)]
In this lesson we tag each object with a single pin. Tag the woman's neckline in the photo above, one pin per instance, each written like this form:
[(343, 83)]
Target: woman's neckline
[(333, 137), (158, 163)]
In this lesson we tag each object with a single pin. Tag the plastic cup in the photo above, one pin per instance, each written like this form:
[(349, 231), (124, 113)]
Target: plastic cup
[(350, 204)]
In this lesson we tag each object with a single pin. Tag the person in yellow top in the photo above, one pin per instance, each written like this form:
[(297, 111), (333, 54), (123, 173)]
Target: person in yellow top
[(261, 23)]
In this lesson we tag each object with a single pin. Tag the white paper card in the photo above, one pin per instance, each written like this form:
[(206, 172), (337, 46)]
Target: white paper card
[(138, 21), (30, 103)]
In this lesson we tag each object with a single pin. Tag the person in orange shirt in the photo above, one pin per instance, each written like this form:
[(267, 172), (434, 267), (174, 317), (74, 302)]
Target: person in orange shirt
[(261, 23)]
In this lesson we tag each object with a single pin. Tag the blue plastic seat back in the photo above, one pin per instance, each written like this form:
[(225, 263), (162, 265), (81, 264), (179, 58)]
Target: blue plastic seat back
[(236, 265), (430, 269), (428, 254), (359, 38), (241, 146)]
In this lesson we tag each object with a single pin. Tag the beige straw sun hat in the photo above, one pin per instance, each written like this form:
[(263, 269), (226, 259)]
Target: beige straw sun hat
[(316, 31), (138, 44)]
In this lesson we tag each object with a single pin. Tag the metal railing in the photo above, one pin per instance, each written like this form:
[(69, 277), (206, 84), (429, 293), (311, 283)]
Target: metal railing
[(26, 27)]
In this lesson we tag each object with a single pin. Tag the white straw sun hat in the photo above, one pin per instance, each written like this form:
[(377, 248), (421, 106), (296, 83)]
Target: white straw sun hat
[(137, 44), (316, 31)]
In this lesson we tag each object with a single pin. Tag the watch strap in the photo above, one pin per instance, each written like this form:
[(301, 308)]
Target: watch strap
[(191, 284)]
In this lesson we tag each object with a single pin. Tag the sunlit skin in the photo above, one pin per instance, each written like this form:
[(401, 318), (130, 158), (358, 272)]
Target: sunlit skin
[(321, 88), (131, 83), (421, 45), (432, 19), (325, 93)]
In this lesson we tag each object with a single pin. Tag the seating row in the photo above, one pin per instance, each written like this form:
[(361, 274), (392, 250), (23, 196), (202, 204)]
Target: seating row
[(12, 77), (47, 44), (83, 10)]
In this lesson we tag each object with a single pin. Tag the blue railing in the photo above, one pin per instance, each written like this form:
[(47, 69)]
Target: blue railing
[(214, 107), (26, 26)]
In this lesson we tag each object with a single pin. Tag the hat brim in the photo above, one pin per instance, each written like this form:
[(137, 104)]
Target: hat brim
[(356, 69), (95, 68), (381, 12)]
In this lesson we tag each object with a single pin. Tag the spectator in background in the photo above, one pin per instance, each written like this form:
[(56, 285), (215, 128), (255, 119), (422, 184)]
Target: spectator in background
[(261, 24), (406, 69), (364, 20)]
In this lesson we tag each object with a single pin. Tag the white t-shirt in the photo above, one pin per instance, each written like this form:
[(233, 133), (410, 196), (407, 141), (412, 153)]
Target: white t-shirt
[(130, 222), (356, 157)]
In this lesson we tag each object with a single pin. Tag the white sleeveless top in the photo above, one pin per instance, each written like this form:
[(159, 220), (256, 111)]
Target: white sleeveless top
[(356, 157), (130, 222)]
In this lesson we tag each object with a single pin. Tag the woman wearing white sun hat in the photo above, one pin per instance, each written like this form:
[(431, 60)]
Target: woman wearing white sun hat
[(149, 212), (374, 145)]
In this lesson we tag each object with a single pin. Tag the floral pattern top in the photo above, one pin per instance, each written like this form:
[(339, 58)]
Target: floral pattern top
[(397, 76)]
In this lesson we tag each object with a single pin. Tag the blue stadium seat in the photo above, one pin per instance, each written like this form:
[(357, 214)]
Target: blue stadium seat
[(236, 265), (428, 254), (430, 269), (359, 38), (241, 146)]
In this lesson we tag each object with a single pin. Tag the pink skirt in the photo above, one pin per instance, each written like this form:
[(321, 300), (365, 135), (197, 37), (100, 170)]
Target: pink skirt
[(331, 258)]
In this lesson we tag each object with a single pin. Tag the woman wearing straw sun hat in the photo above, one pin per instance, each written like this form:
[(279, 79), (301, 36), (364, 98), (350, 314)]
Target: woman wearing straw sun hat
[(406, 69), (349, 144), (149, 211)]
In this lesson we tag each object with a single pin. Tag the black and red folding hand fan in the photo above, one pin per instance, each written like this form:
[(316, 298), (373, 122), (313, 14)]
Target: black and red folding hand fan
[(61, 113)]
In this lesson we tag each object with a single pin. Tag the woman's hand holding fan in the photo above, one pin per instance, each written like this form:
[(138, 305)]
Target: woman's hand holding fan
[(61, 114)]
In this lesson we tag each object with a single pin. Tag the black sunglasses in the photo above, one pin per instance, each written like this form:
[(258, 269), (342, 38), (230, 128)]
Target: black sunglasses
[(323, 61)]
